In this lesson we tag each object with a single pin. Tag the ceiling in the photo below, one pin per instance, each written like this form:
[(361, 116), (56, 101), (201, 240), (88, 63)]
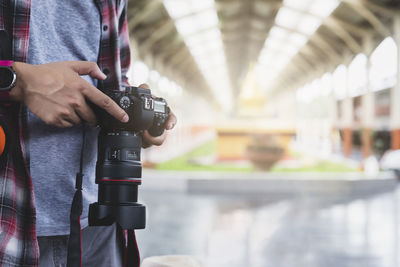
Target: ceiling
[(209, 47)]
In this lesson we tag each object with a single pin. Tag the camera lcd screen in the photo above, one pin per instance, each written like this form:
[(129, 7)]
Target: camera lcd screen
[(159, 107)]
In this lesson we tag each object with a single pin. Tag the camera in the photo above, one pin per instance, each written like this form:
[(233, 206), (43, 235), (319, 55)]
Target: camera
[(118, 167)]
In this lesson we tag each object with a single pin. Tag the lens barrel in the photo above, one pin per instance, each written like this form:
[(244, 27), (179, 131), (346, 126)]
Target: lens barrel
[(118, 174)]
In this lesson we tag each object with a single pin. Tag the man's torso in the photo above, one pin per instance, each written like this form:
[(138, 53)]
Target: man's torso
[(61, 31)]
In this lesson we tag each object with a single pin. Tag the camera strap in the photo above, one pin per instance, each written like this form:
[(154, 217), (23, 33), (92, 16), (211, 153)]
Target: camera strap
[(5, 46), (132, 256), (74, 254)]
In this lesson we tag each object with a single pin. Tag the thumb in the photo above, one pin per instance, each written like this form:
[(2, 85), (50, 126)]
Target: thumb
[(87, 68), (144, 85)]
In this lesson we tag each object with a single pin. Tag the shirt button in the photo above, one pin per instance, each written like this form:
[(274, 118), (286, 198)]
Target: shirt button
[(105, 27)]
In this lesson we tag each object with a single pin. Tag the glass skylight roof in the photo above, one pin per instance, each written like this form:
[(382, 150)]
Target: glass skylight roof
[(300, 4), (197, 22), (180, 8), (288, 17), (295, 22)]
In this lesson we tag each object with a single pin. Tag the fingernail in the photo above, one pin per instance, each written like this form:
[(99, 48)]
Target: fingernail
[(170, 126), (125, 118)]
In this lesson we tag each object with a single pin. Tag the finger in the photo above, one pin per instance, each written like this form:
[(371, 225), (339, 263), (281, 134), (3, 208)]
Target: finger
[(144, 85), (171, 122), (151, 140), (105, 102), (87, 114), (64, 123), (71, 117), (87, 68), (145, 144)]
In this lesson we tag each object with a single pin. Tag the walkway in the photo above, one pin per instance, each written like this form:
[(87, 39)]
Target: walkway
[(263, 231)]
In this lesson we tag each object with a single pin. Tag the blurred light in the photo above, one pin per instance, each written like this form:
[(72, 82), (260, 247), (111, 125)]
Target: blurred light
[(358, 75), (203, 38), (299, 4), (317, 7), (164, 85), (288, 18), (309, 24), (168, 87), (154, 76), (315, 89), (384, 65), (197, 22), (140, 73), (323, 8), (326, 84), (297, 39), (179, 8), (278, 33), (295, 22), (340, 82)]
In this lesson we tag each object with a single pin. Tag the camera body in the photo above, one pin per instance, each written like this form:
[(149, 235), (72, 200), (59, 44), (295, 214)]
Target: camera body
[(118, 167), (145, 111)]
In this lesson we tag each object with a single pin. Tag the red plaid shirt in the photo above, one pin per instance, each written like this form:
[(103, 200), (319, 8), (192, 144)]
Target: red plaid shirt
[(18, 242)]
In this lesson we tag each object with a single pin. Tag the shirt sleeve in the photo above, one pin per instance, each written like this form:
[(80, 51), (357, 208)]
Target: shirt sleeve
[(123, 31)]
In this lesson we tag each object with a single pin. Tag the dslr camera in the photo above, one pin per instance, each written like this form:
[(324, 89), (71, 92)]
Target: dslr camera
[(118, 167)]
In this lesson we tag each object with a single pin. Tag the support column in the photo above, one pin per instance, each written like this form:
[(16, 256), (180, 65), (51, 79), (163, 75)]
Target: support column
[(395, 92), (347, 111), (347, 126), (334, 120), (368, 108)]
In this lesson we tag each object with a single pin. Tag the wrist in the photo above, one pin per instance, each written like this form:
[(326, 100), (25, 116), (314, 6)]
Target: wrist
[(16, 93)]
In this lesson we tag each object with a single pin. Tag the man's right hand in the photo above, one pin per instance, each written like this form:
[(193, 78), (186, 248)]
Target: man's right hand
[(57, 94)]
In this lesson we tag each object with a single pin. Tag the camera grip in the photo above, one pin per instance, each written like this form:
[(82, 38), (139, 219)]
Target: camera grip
[(158, 127)]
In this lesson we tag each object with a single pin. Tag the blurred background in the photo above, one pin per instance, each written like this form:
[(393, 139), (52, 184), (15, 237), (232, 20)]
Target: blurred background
[(287, 147)]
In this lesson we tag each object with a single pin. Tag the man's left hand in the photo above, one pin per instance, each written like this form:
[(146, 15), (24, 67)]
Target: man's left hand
[(148, 139)]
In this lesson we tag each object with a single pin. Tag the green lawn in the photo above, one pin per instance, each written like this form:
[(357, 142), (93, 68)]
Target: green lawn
[(320, 166), (184, 163)]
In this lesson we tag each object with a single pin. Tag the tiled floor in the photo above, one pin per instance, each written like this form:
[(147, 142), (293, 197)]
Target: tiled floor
[(230, 231)]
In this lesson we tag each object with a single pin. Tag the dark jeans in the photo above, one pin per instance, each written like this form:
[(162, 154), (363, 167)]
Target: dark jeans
[(101, 246)]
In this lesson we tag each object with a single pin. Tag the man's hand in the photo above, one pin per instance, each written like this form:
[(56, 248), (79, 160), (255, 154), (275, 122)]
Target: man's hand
[(148, 139), (57, 94)]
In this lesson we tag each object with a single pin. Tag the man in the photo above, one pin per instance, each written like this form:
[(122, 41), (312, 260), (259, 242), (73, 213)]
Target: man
[(59, 41)]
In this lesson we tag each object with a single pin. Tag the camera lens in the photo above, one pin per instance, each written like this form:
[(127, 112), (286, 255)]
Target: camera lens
[(118, 174)]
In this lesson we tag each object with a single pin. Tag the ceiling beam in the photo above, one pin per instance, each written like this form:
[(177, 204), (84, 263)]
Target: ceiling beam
[(359, 7), (191, 14), (350, 27), (138, 17), (308, 61), (385, 10), (158, 34), (178, 58), (165, 50), (318, 41), (321, 42), (344, 35), (301, 65), (314, 51)]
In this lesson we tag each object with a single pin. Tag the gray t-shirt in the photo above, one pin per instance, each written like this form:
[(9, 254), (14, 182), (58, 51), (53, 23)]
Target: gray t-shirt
[(61, 31)]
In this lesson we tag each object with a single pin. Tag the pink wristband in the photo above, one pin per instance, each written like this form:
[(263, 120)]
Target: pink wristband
[(7, 63)]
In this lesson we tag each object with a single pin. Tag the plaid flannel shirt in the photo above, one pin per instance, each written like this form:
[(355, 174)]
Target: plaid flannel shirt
[(18, 241)]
